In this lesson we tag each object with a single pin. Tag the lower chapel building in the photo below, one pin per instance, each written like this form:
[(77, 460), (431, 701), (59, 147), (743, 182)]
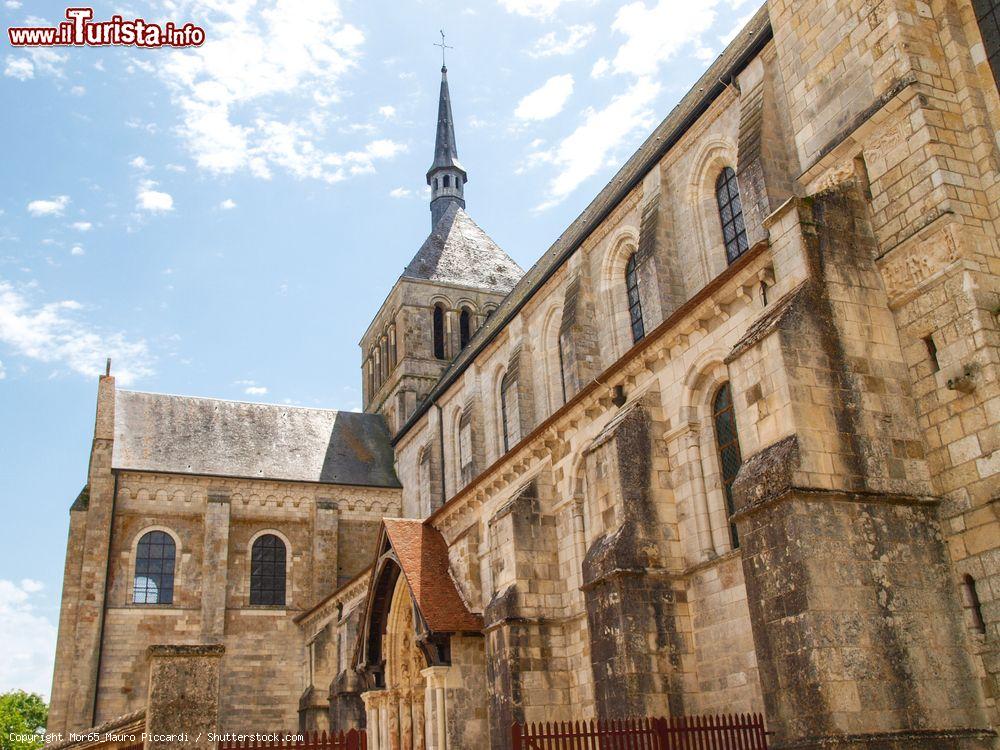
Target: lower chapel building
[(730, 445)]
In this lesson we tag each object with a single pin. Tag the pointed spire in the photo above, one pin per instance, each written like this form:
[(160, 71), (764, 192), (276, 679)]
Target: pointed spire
[(445, 150), (446, 176)]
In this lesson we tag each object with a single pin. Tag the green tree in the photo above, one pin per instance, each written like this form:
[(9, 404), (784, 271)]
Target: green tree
[(21, 714)]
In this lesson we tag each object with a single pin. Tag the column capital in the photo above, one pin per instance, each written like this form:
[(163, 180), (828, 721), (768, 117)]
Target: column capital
[(435, 676)]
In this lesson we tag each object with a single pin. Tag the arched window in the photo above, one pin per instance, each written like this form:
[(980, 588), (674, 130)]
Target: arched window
[(728, 444), (465, 326), (267, 570), (634, 302), (447, 180), (988, 17), (439, 332), (734, 233), (510, 416), (154, 569)]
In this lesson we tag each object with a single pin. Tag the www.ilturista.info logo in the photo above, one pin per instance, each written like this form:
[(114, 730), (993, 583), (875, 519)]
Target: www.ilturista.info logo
[(81, 30)]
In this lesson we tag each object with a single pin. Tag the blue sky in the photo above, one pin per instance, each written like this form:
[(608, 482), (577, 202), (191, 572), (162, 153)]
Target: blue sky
[(225, 221)]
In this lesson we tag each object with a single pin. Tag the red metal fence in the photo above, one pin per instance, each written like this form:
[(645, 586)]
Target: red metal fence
[(352, 740), (733, 732)]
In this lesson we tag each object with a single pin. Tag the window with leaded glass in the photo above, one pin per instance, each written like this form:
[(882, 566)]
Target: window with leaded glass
[(267, 570), (988, 17), (154, 569), (509, 412), (734, 233), (728, 443), (634, 301)]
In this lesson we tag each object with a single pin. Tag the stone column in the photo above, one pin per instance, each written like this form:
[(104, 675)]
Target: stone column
[(392, 710), (405, 721), (326, 521), (215, 567), (372, 700), (183, 696), (419, 735), (436, 678)]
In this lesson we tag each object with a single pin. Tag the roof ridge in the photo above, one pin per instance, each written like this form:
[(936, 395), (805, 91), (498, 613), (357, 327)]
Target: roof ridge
[(238, 401)]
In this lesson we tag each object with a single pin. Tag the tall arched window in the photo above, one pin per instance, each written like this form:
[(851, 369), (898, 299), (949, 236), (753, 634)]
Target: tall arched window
[(734, 233), (634, 302), (728, 443), (439, 332), (154, 569), (267, 570), (510, 416), (465, 327)]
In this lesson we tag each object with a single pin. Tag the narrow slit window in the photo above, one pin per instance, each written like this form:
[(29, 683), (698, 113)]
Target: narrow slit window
[(509, 412), (973, 603), (465, 327), (932, 354), (634, 300), (439, 332), (728, 445)]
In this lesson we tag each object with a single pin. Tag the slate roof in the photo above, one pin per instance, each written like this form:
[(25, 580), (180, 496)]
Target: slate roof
[(204, 436), (458, 251), (747, 44), (445, 150), (423, 556)]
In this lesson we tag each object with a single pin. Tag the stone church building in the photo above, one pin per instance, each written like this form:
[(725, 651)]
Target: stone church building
[(731, 444)]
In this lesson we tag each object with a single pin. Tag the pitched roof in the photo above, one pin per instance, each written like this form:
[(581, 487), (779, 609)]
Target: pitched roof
[(423, 556), (185, 435), (458, 251)]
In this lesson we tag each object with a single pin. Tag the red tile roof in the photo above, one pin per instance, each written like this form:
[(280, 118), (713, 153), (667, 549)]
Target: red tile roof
[(423, 556)]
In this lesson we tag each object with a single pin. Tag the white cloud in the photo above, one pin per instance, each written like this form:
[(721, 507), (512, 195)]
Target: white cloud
[(400, 192), (3, 372), (251, 388), (601, 68), (176, 168), (37, 60), (78, 90), (76, 250), (737, 28), (20, 68), (388, 111), (228, 204), (140, 162), (53, 333), (154, 201), (550, 45), (13, 4), (541, 9), (53, 207), (655, 34), (241, 94), (547, 100), (29, 639), (82, 226), (581, 154)]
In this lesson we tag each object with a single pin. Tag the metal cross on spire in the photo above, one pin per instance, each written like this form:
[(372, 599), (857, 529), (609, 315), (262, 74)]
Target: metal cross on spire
[(443, 47)]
